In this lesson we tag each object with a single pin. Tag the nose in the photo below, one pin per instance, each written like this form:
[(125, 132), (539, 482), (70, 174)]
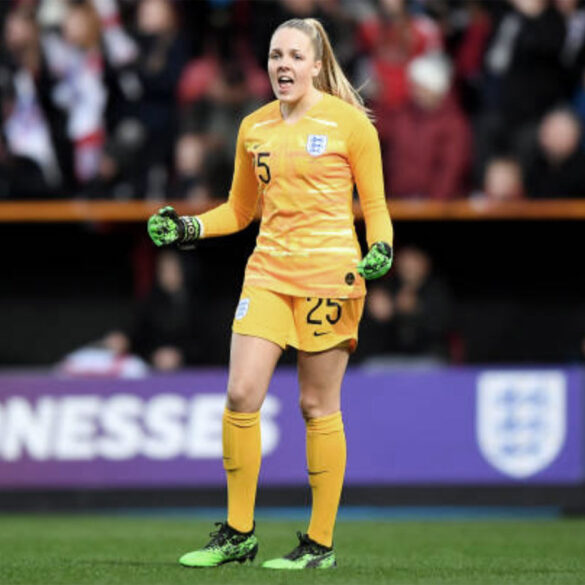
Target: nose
[(285, 63)]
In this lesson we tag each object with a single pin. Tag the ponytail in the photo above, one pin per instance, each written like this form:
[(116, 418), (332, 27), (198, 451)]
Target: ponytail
[(331, 78)]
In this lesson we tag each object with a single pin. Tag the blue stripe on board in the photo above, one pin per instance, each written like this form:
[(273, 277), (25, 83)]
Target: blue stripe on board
[(365, 513)]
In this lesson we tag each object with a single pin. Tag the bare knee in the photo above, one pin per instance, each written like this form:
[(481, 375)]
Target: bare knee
[(312, 406), (243, 396)]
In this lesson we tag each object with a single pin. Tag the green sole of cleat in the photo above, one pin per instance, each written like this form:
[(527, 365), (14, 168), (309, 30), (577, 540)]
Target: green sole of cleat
[(250, 556), (287, 565)]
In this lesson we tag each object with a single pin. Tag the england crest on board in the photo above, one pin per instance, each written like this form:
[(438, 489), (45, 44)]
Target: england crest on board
[(521, 419)]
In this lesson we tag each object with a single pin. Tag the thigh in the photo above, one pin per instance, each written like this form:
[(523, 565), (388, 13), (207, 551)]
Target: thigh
[(252, 363), (320, 377)]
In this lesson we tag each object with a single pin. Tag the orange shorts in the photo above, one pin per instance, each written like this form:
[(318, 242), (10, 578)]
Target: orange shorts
[(308, 323)]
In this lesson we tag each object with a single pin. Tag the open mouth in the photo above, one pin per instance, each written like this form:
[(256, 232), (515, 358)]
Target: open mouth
[(284, 82)]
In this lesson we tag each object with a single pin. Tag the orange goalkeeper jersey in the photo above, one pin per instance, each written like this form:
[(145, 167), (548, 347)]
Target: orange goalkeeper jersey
[(304, 173)]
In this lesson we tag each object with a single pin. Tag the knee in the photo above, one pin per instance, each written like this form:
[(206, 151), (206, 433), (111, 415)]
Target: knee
[(242, 397), (311, 406)]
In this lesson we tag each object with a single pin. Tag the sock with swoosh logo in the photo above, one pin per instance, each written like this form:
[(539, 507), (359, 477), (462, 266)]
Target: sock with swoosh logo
[(326, 456)]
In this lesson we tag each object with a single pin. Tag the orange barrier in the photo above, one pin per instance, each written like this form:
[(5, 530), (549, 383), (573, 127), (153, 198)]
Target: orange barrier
[(136, 211)]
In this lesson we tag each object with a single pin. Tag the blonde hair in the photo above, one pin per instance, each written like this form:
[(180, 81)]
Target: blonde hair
[(331, 78)]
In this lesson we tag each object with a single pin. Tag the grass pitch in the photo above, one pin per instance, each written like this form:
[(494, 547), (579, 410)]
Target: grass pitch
[(70, 549)]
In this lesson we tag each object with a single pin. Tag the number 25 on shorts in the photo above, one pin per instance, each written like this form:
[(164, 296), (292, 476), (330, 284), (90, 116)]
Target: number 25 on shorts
[(332, 315)]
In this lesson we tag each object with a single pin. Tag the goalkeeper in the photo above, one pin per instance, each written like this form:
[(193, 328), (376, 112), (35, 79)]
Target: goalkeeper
[(300, 157)]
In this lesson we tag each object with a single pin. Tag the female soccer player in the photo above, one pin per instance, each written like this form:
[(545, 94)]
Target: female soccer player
[(301, 155)]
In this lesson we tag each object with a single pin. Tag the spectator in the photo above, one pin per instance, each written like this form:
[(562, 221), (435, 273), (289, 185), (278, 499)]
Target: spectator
[(525, 78), (268, 15), (20, 176), (579, 101), (573, 55), (215, 92), (121, 55), (470, 29), (190, 181), (120, 174), (168, 333), (163, 54), (108, 357), (27, 128), (120, 49), (558, 168), (409, 314), (417, 162), (532, 79), (392, 39), (76, 60), (503, 180)]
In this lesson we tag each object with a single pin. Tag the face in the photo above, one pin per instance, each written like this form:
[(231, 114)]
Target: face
[(424, 98), (380, 305), (566, 6), (81, 28), (413, 266), (189, 155), (529, 7), (559, 135), (393, 7), (155, 17), (19, 33), (503, 180), (291, 65), (169, 272), (117, 342)]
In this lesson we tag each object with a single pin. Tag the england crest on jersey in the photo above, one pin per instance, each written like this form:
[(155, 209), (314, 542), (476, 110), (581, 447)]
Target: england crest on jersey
[(316, 144), (521, 419)]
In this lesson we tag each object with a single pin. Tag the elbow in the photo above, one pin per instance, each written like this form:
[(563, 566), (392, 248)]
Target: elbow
[(247, 220), (242, 216)]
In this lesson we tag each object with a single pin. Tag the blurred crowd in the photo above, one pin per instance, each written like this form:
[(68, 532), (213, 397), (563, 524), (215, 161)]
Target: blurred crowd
[(141, 99), (408, 319)]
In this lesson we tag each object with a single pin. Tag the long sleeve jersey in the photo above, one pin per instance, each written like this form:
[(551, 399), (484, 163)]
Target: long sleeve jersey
[(303, 174)]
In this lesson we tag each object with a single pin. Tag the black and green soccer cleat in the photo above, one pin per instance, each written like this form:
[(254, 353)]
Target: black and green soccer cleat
[(226, 545), (307, 555)]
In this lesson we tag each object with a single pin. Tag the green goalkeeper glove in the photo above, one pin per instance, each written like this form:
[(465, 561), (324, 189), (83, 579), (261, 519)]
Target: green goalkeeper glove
[(165, 227), (376, 262)]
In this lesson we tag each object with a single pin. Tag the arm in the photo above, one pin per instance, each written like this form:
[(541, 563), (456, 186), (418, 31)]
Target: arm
[(166, 227), (366, 163)]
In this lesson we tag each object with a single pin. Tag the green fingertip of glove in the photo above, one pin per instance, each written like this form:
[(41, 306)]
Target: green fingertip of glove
[(165, 227), (376, 262), (163, 230)]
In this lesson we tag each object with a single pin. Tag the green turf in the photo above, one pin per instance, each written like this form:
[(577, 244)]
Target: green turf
[(104, 550)]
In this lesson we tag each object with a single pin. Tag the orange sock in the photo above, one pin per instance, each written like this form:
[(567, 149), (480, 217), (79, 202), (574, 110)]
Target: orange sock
[(326, 456), (241, 461)]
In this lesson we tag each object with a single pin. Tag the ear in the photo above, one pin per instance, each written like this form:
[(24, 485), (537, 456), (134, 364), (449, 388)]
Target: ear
[(316, 68)]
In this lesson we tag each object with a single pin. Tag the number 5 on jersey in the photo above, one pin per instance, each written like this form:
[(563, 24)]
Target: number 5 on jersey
[(260, 160)]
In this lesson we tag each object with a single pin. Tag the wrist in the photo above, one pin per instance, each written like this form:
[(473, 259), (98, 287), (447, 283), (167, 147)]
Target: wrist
[(191, 228)]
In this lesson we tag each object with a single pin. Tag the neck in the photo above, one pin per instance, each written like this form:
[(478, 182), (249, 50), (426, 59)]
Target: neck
[(291, 112)]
